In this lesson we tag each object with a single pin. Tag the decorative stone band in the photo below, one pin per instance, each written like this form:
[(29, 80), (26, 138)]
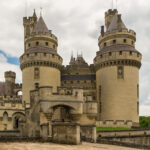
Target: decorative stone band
[(50, 39), (125, 62), (114, 36), (40, 63)]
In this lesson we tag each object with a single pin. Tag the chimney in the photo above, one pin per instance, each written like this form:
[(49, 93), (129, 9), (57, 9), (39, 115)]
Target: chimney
[(102, 30), (119, 22)]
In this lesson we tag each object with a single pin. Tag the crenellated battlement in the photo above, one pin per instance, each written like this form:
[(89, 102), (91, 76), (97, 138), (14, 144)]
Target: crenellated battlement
[(18, 86), (115, 123), (10, 74), (11, 98), (111, 12)]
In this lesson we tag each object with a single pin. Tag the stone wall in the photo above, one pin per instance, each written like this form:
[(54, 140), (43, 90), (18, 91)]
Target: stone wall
[(66, 133)]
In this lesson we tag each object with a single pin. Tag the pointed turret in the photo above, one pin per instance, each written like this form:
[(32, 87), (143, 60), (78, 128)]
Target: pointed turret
[(116, 23), (40, 27), (34, 14)]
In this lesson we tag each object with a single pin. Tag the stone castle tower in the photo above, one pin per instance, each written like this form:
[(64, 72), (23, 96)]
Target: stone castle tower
[(40, 63), (117, 66)]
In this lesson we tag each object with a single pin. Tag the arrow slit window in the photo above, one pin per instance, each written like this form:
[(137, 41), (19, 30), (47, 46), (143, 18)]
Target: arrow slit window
[(120, 72)]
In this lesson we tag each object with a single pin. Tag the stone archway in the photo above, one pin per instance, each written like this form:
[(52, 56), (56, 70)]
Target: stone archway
[(61, 113), (17, 118)]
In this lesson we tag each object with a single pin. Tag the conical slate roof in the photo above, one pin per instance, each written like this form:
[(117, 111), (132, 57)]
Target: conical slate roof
[(40, 27), (114, 23)]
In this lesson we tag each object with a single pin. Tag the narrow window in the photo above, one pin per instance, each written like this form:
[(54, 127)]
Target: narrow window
[(71, 82), (36, 73), (65, 82), (130, 53), (27, 55), (124, 40), (37, 43), (120, 72), (85, 81), (132, 42), (53, 55), (120, 53), (100, 92), (54, 46), (35, 54), (138, 90), (78, 81), (44, 54), (100, 107), (46, 43), (114, 41), (137, 107), (29, 45), (104, 44), (109, 53), (36, 85)]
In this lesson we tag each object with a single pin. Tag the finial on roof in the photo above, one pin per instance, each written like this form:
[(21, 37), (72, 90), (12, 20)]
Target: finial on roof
[(34, 13), (40, 11)]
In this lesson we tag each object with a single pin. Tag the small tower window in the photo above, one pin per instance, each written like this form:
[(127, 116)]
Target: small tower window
[(27, 55), (124, 40), (37, 43), (65, 82), (132, 42), (120, 72), (29, 45), (120, 53), (54, 46), (36, 73), (138, 54), (52, 55), (36, 85), (114, 41), (44, 54), (110, 53), (138, 90), (46, 43), (105, 44), (35, 54), (130, 53), (100, 92)]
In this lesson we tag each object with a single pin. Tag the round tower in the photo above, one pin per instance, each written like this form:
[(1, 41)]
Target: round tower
[(117, 71), (10, 83), (40, 63)]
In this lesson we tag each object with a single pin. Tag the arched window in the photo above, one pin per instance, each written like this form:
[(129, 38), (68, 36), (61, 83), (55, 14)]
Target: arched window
[(5, 116)]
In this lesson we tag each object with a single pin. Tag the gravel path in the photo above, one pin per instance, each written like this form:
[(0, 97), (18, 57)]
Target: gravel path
[(51, 146)]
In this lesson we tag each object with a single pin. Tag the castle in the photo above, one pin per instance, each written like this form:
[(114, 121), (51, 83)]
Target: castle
[(67, 102)]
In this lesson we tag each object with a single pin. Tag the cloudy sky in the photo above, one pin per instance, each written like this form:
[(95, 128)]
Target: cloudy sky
[(76, 23)]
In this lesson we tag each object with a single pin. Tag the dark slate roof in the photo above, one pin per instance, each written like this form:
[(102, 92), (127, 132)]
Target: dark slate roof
[(2, 88), (114, 24), (117, 48), (78, 77), (40, 27)]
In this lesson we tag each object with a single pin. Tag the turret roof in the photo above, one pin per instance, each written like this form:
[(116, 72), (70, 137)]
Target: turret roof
[(40, 27), (115, 22)]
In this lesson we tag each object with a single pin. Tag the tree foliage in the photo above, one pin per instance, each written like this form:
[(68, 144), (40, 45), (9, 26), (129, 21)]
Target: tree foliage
[(144, 121)]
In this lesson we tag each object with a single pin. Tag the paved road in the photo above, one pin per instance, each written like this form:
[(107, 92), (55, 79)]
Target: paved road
[(51, 146)]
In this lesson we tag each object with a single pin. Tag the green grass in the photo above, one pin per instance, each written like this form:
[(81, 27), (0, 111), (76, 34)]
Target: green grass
[(111, 129)]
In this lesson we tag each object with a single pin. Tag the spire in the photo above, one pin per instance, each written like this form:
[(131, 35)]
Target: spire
[(40, 27), (72, 60), (34, 14), (116, 23)]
